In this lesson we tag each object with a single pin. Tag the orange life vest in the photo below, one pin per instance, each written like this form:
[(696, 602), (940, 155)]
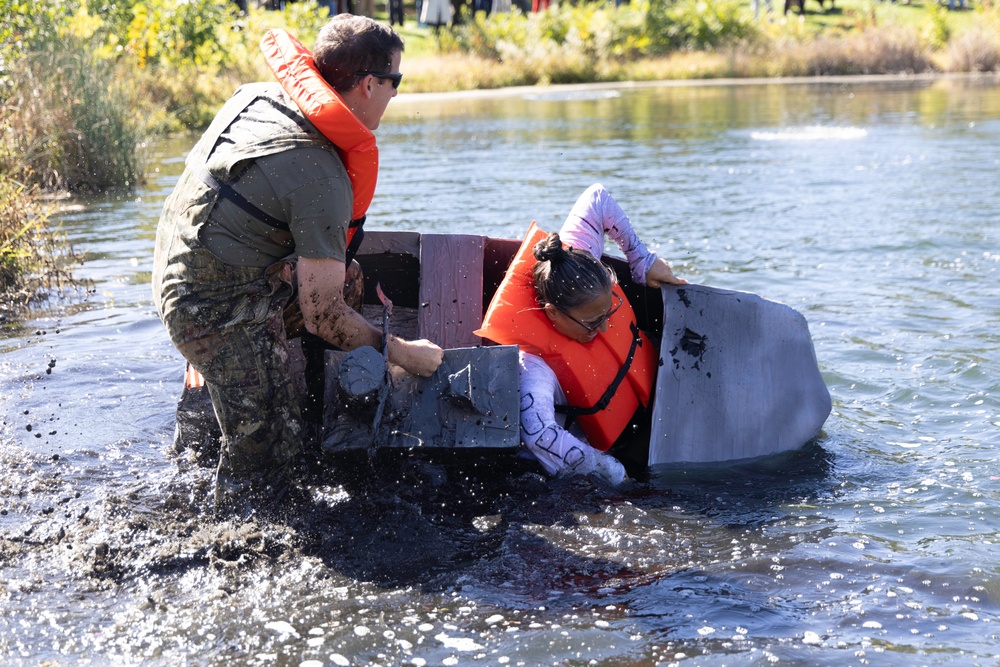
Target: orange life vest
[(293, 65), (617, 369)]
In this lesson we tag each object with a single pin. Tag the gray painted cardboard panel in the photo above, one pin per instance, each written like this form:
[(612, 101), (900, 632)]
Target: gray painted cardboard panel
[(472, 400), (738, 378), (451, 289)]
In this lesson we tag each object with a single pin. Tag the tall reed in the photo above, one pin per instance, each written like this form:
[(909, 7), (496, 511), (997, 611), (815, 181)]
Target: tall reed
[(72, 122)]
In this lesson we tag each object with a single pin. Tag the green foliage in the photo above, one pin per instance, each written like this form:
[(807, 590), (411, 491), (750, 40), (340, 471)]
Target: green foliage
[(92, 76), (698, 24), (27, 24), (487, 37), (70, 119), (210, 34), (16, 227), (599, 30), (937, 31), (588, 29), (169, 32)]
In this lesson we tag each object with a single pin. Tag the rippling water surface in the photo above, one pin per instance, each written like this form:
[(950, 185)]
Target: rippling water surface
[(870, 207)]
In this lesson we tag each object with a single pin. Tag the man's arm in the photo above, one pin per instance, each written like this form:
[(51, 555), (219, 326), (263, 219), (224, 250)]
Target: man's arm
[(327, 315)]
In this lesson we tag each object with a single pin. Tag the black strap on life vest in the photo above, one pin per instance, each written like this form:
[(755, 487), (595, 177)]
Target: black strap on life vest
[(573, 411), (359, 236), (226, 191)]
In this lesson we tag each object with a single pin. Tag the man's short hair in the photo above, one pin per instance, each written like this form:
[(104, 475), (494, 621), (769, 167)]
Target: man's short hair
[(349, 44)]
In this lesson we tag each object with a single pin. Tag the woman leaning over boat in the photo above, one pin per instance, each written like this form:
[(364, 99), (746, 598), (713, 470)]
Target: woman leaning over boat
[(587, 372)]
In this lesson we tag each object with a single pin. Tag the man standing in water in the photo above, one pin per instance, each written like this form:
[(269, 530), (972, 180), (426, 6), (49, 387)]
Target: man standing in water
[(260, 218)]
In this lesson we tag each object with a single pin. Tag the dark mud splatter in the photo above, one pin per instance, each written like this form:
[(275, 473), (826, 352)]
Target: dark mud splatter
[(694, 344)]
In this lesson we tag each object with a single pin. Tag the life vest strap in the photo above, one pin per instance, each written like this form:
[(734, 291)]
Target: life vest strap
[(226, 191), (355, 243), (574, 411)]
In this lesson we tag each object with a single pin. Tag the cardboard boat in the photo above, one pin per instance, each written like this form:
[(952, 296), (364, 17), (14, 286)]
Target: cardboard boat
[(738, 376)]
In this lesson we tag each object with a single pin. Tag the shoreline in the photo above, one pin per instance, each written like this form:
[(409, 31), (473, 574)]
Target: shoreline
[(516, 91)]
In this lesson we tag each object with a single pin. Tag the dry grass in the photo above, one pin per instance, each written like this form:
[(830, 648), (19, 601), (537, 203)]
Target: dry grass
[(681, 65), (187, 98), (452, 71), (976, 49), (896, 50)]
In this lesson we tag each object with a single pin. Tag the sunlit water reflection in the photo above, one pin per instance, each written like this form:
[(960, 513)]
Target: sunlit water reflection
[(871, 208)]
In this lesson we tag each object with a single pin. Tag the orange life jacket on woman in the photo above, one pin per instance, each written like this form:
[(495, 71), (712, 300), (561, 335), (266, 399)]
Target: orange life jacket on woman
[(604, 380), (293, 65)]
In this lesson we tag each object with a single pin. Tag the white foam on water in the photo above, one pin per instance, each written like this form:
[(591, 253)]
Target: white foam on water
[(572, 95), (458, 643), (810, 637), (282, 628), (811, 133)]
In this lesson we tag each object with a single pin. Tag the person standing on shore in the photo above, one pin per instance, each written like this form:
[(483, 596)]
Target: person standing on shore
[(755, 7), (396, 16), (268, 211)]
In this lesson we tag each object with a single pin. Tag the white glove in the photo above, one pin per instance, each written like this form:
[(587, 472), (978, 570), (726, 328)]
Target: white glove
[(609, 469)]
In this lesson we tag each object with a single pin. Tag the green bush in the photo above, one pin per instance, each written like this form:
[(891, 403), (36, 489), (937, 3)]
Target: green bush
[(937, 31), (697, 24), (16, 234), (601, 31), (83, 81), (210, 33), (27, 24), (168, 32)]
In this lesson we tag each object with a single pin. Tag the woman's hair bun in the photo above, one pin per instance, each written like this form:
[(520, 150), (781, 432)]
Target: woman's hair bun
[(549, 249)]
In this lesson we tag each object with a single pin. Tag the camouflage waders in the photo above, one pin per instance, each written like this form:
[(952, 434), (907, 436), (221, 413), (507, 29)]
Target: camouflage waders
[(233, 332), (227, 320)]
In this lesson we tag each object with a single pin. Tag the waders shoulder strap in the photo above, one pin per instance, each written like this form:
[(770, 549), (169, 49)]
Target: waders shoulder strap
[(225, 190)]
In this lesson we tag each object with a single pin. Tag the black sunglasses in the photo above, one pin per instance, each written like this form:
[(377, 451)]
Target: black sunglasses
[(599, 322), (395, 78)]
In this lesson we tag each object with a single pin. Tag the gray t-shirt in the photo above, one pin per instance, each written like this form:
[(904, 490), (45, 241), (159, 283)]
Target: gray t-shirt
[(308, 187)]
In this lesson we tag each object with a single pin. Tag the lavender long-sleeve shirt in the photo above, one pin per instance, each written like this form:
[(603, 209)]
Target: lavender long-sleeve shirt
[(595, 214)]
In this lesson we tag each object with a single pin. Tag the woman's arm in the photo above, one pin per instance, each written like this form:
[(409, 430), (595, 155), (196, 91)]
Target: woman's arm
[(558, 450), (595, 214)]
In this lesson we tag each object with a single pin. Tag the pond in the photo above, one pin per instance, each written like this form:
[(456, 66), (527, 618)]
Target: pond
[(871, 206)]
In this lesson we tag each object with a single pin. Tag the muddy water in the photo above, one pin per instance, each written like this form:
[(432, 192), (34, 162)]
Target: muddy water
[(870, 207)]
